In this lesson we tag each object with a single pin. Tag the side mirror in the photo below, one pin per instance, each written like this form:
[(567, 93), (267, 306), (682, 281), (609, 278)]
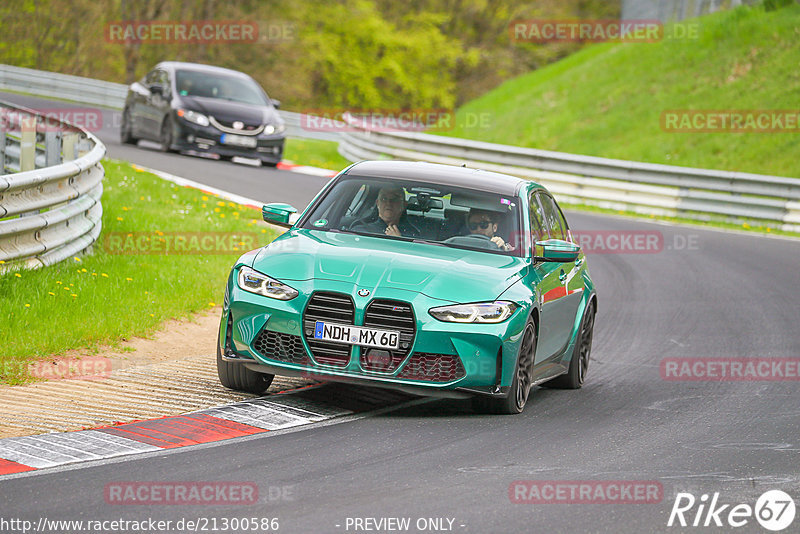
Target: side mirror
[(275, 103), (157, 89), (557, 250), (281, 214)]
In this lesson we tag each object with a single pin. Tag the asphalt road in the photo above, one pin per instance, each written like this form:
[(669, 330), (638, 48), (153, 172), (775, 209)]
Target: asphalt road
[(705, 294)]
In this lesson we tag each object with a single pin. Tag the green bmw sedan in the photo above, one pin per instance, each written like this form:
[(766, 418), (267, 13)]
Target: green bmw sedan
[(432, 279)]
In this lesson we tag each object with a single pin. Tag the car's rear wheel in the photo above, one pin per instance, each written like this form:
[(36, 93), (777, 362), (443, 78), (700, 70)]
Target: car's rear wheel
[(579, 363), (126, 129), (521, 384), (234, 375)]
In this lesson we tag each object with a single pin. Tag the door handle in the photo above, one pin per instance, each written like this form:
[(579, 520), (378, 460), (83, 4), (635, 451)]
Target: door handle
[(562, 276)]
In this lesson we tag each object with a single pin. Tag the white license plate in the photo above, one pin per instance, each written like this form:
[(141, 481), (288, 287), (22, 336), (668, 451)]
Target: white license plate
[(238, 140), (356, 335)]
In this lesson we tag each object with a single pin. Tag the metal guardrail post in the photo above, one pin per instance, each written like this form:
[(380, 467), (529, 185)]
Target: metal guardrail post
[(2, 151), (52, 148), (27, 149), (69, 146)]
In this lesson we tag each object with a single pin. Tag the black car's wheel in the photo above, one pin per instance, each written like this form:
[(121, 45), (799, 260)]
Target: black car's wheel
[(165, 137), (237, 376), (521, 384), (125, 129), (579, 363)]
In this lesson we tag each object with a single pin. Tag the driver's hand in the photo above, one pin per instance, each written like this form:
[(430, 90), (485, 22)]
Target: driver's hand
[(393, 230), (497, 240)]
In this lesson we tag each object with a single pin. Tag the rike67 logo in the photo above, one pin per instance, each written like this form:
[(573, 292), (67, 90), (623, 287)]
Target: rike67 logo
[(774, 510)]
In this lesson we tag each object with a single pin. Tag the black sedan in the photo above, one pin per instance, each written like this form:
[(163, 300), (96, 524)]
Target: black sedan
[(203, 109)]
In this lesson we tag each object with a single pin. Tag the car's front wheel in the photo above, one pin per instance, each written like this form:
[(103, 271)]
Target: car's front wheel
[(521, 384), (234, 375)]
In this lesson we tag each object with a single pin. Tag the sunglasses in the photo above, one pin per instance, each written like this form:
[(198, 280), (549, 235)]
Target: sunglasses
[(483, 225)]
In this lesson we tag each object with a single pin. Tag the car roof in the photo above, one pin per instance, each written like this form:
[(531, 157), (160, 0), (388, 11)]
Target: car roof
[(181, 65), (434, 173)]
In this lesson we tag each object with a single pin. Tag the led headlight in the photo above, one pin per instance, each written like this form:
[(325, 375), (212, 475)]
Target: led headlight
[(479, 312), (193, 116), (270, 129), (261, 284)]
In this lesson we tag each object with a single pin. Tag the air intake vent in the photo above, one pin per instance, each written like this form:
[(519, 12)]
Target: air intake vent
[(433, 367), (282, 347), (389, 315), (332, 308)]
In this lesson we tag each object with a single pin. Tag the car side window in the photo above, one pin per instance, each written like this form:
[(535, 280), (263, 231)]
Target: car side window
[(554, 222), (538, 231)]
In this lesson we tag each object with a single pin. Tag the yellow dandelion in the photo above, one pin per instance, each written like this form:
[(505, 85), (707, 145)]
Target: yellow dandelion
[(151, 315), (76, 258), (231, 204), (51, 293), (74, 295), (220, 203), (211, 304), (18, 275), (146, 292), (222, 215), (2, 262), (83, 270), (263, 231), (204, 197), (67, 289), (141, 198), (745, 225), (58, 281), (216, 210), (129, 279), (203, 206), (119, 218), (94, 274), (240, 243), (104, 275), (769, 229), (235, 213), (27, 305)]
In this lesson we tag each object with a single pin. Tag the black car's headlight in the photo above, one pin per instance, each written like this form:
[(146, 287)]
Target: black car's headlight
[(479, 312), (270, 129), (261, 284), (193, 116)]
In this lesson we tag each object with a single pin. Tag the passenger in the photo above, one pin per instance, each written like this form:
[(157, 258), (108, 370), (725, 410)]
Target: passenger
[(391, 218), (484, 222)]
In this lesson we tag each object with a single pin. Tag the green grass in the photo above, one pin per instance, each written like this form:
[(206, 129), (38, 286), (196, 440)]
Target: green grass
[(315, 153), (105, 297), (607, 99)]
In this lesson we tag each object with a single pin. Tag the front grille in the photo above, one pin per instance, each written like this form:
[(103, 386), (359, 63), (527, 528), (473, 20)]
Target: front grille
[(333, 308), (433, 367), (388, 315), (227, 126), (284, 347)]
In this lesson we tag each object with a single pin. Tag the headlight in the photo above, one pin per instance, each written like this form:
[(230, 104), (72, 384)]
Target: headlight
[(261, 284), (193, 116), (480, 312), (270, 129)]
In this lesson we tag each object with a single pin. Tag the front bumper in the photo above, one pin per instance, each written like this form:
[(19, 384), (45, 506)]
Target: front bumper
[(486, 352), (208, 140)]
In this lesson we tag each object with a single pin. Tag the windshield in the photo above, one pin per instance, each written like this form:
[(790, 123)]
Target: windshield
[(415, 211), (205, 85)]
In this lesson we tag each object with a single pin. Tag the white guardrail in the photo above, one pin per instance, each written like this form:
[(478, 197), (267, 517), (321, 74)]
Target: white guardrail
[(645, 188), (50, 199)]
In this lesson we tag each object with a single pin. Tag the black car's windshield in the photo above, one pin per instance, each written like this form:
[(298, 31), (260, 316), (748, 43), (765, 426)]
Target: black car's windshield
[(419, 212), (206, 85)]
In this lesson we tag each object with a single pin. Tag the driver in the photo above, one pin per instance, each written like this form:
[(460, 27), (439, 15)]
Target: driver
[(484, 222), (391, 218)]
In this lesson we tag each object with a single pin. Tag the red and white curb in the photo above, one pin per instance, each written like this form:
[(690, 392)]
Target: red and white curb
[(256, 416)]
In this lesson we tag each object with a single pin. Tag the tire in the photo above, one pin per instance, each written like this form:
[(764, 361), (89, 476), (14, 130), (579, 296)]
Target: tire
[(520, 390), (579, 363), (238, 377), (125, 129), (165, 136)]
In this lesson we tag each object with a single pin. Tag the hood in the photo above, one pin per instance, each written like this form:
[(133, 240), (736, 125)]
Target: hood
[(227, 111), (439, 272)]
